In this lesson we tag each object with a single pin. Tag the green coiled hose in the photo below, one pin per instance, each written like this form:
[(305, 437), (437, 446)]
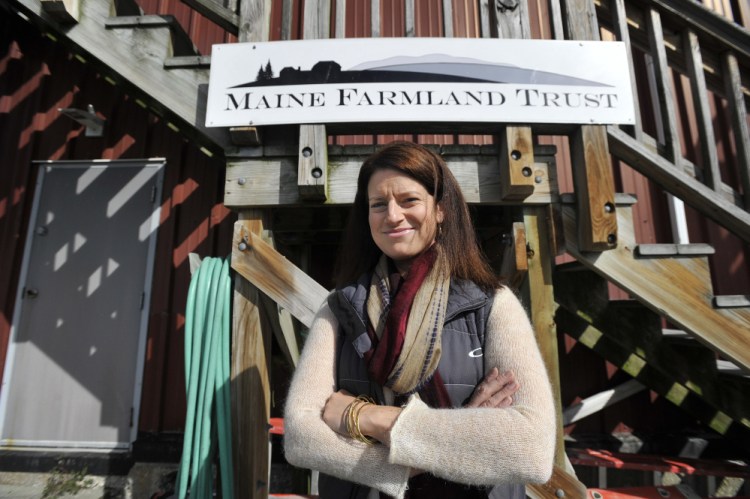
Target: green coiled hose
[(208, 423)]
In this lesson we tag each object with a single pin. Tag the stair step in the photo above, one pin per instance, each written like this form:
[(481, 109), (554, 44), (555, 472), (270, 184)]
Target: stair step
[(674, 250), (731, 369), (182, 45), (217, 13), (188, 62), (732, 301)]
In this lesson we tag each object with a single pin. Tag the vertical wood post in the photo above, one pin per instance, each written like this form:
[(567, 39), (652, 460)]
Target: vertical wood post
[(251, 341), (542, 306), (516, 143), (251, 385), (592, 169), (312, 171)]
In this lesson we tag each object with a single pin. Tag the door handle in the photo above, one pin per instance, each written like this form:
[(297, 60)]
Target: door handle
[(31, 292)]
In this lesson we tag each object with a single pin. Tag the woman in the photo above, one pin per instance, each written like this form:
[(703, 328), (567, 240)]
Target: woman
[(419, 324)]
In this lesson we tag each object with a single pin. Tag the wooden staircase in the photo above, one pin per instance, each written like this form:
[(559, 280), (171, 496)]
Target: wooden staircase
[(150, 55), (676, 286)]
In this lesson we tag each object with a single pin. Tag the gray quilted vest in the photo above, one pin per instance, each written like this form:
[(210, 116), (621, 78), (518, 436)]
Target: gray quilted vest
[(461, 363)]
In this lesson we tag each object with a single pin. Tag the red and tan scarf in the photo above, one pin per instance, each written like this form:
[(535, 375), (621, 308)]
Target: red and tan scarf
[(406, 329)]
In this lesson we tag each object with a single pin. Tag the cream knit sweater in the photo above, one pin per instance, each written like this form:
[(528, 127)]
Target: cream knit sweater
[(474, 446)]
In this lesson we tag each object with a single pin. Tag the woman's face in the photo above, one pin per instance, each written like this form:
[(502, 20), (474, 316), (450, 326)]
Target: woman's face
[(403, 216)]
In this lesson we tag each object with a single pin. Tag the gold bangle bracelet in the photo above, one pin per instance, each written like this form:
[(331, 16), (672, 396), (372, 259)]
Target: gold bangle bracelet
[(351, 415)]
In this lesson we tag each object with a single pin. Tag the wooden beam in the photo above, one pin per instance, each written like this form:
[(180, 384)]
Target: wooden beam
[(254, 20), (592, 170), (620, 21), (594, 188), (272, 181), (516, 163), (667, 120), (694, 193), (447, 18), (738, 116), (602, 400), (516, 143), (312, 171), (276, 276), (251, 388), (217, 13), (710, 163), (515, 263), (542, 306)]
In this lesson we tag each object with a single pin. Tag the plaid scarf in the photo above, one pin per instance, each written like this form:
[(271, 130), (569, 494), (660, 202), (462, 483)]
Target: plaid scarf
[(405, 329)]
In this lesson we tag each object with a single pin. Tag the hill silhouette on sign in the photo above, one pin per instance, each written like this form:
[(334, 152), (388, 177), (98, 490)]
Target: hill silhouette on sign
[(435, 69)]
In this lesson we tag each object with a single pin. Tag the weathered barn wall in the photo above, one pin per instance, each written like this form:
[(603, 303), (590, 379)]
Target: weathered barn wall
[(38, 76)]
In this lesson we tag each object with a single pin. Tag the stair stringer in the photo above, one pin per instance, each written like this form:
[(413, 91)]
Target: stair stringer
[(678, 288), (136, 56)]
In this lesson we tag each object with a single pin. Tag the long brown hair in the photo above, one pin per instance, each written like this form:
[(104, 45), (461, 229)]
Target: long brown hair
[(457, 241)]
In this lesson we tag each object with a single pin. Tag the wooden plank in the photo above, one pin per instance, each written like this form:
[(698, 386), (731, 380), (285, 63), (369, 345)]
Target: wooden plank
[(694, 193), (317, 20), (448, 18), (339, 29), (180, 42), (667, 125), (580, 19), (515, 263), (738, 117), (375, 19), (620, 21), (516, 163), (555, 13), (595, 189), (680, 289), (409, 17), (512, 19), (312, 172), (286, 19), (283, 329), (276, 276), (602, 400), (273, 181), (692, 49), (254, 21), (728, 301), (674, 249), (217, 13), (592, 171), (251, 388), (485, 18), (542, 307)]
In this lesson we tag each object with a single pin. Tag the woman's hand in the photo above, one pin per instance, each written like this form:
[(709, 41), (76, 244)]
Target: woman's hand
[(334, 411), (496, 390), (375, 421)]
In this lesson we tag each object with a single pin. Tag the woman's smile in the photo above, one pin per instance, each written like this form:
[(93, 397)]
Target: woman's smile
[(403, 216)]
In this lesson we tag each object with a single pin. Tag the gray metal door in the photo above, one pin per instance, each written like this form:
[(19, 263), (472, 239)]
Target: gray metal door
[(73, 372)]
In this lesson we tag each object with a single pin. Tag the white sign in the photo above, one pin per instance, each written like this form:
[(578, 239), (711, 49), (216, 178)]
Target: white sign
[(419, 80)]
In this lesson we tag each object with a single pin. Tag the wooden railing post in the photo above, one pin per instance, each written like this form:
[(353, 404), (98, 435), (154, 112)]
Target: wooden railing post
[(592, 169), (251, 333), (251, 384)]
